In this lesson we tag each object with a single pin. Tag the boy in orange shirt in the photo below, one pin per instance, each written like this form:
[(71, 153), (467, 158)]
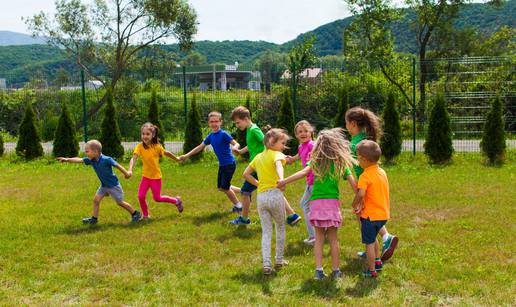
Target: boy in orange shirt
[(371, 202)]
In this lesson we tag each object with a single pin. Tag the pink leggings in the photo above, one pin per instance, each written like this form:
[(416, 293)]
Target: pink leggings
[(155, 186)]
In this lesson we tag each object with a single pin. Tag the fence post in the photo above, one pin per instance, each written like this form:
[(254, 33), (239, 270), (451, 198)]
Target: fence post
[(184, 94), (293, 89), (413, 106), (84, 114)]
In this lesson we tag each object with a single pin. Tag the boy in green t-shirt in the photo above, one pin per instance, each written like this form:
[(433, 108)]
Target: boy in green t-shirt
[(254, 139)]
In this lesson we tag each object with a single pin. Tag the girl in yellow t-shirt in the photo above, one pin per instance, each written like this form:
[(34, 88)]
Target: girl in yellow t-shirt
[(150, 151)]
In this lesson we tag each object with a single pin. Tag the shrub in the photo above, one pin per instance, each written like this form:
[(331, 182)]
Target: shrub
[(110, 132), (438, 143), (29, 142), (65, 143), (493, 138), (154, 116), (286, 121), (391, 140), (193, 130)]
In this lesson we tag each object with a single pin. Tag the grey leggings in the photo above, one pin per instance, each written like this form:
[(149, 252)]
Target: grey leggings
[(306, 210), (271, 206)]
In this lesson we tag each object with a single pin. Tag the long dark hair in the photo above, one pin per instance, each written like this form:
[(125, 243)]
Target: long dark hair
[(155, 132), (367, 120)]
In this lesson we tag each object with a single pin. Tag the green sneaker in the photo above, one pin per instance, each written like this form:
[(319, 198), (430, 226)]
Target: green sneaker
[(388, 247)]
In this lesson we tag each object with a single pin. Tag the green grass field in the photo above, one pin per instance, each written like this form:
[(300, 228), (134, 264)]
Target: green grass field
[(455, 223)]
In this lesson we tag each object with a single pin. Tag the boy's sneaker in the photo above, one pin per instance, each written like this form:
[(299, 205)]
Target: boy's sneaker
[(362, 254), (90, 220), (293, 219), (240, 220), (378, 265), (179, 204), (319, 275), (388, 247), (136, 216), (336, 274), (370, 274), (236, 209), (309, 241)]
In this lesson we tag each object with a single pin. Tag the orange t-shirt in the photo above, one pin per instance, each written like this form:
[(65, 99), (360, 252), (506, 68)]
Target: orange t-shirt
[(150, 159), (376, 185)]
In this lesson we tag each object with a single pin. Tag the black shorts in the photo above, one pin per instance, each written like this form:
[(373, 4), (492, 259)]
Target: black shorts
[(225, 174), (370, 230), (248, 188)]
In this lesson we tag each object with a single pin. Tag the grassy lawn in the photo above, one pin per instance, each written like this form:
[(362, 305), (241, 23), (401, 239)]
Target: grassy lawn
[(455, 223)]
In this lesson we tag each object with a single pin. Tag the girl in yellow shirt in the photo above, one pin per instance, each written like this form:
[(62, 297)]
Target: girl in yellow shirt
[(150, 151)]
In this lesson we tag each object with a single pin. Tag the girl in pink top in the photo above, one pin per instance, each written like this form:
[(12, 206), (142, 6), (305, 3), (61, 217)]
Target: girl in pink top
[(304, 134)]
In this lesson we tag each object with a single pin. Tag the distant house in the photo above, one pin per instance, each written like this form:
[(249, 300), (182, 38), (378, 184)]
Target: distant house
[(90, 84), (221, 77), (307, 73), (3, 84)]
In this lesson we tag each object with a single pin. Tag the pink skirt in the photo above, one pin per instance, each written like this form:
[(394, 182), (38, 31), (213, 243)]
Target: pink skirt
[(325, 213)]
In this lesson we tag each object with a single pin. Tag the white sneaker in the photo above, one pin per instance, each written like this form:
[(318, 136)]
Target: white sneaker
[(309, 241)]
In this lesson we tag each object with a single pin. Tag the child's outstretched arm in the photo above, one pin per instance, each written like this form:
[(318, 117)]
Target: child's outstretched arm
[(358, 201), (247, 175), (70, 160), (127, 175), (238, 151), (296, 176), (131, 164), (352, 183), (192, 152), (291, 159), (171, 156)]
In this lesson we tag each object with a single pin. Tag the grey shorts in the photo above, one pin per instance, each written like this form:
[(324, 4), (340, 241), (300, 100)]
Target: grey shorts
[(116, 192)]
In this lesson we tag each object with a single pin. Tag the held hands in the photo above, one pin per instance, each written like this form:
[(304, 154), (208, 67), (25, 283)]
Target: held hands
[(182, 158), (281, 184), (289, 160), (128, 174), (358, 208), (236, 152), (61, 159)]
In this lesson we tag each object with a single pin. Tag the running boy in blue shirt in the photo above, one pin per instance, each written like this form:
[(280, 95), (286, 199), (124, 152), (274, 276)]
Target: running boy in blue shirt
[(109, 184), (221, 142)]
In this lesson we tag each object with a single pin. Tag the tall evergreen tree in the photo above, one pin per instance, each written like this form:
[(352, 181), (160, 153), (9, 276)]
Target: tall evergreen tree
[(154, 116), (65, 143), (438, 144), (493, 138), (1, 145), (343, 106), (286, 121), (193, 131), (110, 132), (391, 140), (29, 142)]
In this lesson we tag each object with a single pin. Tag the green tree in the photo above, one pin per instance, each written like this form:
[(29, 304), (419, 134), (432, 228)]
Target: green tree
[(391, 139), (1, 145), (493, 138), (112, 33), (65, 143), (194, 58), (286, 121), (340, 119), (438, 143), (154, 116), (110, 132), (193, 131), (29, 142)]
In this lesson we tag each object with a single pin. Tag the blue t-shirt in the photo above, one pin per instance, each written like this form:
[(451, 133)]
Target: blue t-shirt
[(104, 169), (220, 141)]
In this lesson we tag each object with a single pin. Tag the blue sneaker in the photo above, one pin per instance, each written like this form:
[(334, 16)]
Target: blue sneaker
[(293, 219), (90, 220), (136, 216), (240, 220), (336, 274), (388, 247), (319, 275), (362, 254), (236, 209)]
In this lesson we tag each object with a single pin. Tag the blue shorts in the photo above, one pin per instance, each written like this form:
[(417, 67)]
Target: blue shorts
[(370, 230), (225, 175), (116, 192), (248, 188)]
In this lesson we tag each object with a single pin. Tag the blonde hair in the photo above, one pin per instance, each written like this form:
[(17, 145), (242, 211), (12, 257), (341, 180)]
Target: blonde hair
[(274, 135), (155, 132), (215, 114), (95, 145), (367, 120), (240, 113), (305, 123), (331, 148), (369, 150)]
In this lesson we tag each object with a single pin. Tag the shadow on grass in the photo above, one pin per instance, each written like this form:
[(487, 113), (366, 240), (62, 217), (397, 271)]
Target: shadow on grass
[(242, 232), (297, 249), (364, 286), (80, 229), (257, 278), (326, 288), (212, 217)]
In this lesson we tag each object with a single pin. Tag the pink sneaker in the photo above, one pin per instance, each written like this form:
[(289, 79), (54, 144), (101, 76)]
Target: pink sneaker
[(179, 204)]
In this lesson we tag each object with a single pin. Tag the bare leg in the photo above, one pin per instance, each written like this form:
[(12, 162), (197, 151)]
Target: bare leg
[(318, 246), (334, 247), (246, 204), (371, 251), (231, 195), (126, 206), (96, 204), (383, 231), (234, 189), (288, 208)]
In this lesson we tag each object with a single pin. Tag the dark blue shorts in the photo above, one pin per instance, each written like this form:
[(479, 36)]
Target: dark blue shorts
[(247, 188), (370, 230), (225, 174)]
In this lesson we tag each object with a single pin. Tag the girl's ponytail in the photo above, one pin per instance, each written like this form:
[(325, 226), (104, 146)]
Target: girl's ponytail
[(367, 120)]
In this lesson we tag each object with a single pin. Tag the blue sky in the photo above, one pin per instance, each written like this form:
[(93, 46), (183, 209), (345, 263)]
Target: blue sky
[(269, 20)]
